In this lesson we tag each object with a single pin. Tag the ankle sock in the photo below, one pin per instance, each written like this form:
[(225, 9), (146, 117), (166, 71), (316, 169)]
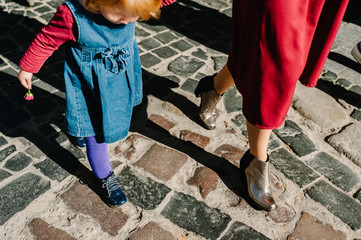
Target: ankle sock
[(97, 152)]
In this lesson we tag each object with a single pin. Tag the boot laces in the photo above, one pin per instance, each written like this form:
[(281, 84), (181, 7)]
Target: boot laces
[(111, 183)]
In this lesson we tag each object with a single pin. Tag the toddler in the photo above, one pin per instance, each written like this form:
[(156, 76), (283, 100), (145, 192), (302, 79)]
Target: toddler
[(102, 73)]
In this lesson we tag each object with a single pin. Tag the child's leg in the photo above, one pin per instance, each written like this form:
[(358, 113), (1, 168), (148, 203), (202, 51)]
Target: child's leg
[(98, 157)]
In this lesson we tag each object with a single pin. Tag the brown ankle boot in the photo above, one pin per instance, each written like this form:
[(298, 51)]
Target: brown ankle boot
[(258, 184), (209, 99)]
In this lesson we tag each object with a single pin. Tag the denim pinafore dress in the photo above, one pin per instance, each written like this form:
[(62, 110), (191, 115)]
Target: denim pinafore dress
[(102, 76)]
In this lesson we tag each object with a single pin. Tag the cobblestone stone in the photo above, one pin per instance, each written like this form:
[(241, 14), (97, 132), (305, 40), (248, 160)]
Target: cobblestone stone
[(181, 45), (161, 121), (232, 100), (41, 230), (356, 114), (195, 216), (143, 192), (293, 136), (309, 227), (19, 193), (195, 138), (4, 174), (231, 153), (152, 231), (338, 203), (162, 162), (240, 231), (185, 66), (283, 214), (82, 199), (6, 152), (336, 172), (189, 85), (52, 170), (319, 107), (205, 179), (149, 60), (348, 142), (18, 162), (292, 168), (165, 52)]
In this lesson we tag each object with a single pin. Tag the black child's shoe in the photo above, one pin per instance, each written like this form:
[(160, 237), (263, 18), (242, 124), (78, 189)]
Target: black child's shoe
[(116, 197)]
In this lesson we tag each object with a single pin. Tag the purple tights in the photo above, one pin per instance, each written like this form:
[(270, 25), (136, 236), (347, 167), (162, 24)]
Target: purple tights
[(97, 151)]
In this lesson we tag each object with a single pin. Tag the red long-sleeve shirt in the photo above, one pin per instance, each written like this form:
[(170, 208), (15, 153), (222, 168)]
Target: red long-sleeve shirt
[(59, 30)]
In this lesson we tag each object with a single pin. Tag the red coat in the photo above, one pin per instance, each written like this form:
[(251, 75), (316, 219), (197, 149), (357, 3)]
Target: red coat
[(275, 44)]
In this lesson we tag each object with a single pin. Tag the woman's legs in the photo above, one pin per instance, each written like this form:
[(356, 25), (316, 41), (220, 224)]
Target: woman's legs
[(223, 80), (258, 139), (257, 171)]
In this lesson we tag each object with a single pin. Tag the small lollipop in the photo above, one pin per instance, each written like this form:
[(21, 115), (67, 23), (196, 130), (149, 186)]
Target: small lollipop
[(29, 95)]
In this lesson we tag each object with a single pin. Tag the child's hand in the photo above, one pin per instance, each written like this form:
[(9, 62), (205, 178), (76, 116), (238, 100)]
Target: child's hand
[(25, 78)]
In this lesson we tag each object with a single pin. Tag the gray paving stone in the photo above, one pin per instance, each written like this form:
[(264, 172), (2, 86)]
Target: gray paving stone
[(185, 66), (293, 136), (241, 231), (273, 143), (143, 192), (154, 28), (358, 195), (348, 142), (4, 174), (189, 85), (193, 215), (240, 121), (52, 170), (219, 62), (35, 152), (18, 194), (3, 141), (329, 76), (149, 60), (292, 168), (356, 114), (232, 100), (199, 53), (343, 83), (139, 32), (319, 107), (338, 173), (337, 203), (18, 162), (356, 89), (149, 44), (76, 152), (166, 37), (6, 152), (351, 75), (165, 52), (181, 45)]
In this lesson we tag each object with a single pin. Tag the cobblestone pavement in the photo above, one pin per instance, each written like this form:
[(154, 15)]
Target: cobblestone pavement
[(182, 181)]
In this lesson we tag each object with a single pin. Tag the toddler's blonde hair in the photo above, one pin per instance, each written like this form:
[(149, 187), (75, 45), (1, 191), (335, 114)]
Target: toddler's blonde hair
[(145, 9)]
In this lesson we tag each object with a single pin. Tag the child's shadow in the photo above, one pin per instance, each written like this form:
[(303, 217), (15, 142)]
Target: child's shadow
[(160, 87), (41, 122)]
